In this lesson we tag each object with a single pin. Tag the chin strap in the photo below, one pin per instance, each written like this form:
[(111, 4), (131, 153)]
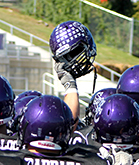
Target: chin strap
[(88, 113), (95, 77)]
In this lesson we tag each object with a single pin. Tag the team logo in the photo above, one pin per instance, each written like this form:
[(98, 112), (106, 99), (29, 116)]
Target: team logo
[(99, 111), (79, 26), (98, 98)]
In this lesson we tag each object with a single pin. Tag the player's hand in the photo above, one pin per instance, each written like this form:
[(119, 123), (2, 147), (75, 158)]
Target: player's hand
[(65, 77), (116, 156), (137, 162)]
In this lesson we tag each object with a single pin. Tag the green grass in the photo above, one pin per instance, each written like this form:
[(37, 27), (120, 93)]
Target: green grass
[(26, 23), (110, 55), (105, 54)]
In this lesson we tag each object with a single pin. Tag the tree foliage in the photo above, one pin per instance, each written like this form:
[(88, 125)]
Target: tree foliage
[(125, 7), (57, 11), (136, 9)]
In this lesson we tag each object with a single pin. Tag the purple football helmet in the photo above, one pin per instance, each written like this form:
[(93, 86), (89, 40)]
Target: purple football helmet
[(20, 104), (116, 120), (129, 83), (100, 96), (6, 101), (19, 111), (72, 43), (46, 118), (27, 93), (97, 98)]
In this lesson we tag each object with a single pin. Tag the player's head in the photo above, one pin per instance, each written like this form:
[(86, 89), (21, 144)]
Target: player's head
[(129, 83), (6, 101), (72, 43), (21, 103), (99, 97), (19, 111), (46, 124), (116, 120), (27, 93)]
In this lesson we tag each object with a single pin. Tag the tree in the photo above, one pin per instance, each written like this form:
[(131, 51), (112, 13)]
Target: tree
[(124, 7), (57, 11)]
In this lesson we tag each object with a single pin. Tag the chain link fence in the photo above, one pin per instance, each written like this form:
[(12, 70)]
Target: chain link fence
[(135, 48), (113, 29)]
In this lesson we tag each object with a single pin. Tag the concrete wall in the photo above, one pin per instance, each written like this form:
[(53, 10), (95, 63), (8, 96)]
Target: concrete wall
[(30, 69)]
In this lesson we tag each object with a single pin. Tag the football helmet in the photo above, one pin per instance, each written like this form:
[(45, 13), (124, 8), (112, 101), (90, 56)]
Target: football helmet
[(20, 104), (72, 43), (47, 119), (19, 111), (116, 120), (129, 83), (97, 98), (6, 101), (27, 93)]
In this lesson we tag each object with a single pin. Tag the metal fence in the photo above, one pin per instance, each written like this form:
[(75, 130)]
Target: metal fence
[(113, 29)]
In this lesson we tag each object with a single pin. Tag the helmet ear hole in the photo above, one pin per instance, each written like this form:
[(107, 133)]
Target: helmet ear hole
[(108, 112), (40, 104)]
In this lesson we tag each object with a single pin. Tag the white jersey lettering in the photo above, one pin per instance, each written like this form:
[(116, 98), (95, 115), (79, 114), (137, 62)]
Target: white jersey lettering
[(31, 161), (9, 145)]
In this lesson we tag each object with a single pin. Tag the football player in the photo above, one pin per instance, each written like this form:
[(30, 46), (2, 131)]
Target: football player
[(7, 112), (19, 105), (129, 83), (44, 133), (74, 50), (115, 127)]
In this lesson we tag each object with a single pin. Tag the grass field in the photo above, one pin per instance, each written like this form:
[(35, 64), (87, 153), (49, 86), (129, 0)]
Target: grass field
[(105, 54)]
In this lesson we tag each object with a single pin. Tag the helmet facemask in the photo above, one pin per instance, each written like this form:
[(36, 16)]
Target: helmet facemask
[(78, 59)]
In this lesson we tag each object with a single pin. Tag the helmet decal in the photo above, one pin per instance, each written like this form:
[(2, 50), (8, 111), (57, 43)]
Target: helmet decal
[(99, 97), (98, 110)]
